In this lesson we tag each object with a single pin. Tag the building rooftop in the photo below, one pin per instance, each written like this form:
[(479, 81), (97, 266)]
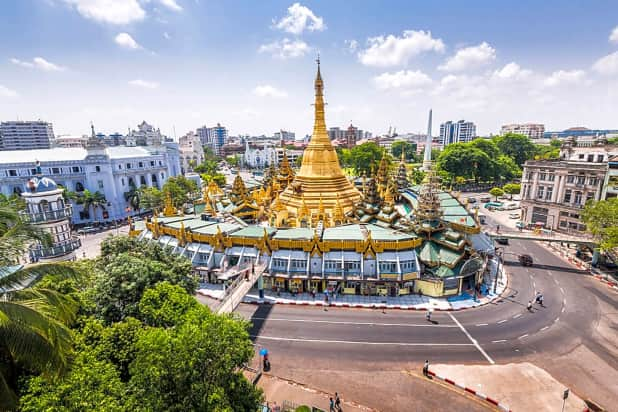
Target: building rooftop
[(59, 154), (254, 231)]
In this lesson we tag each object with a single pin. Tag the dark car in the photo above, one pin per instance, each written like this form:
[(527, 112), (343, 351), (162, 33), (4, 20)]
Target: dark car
[(525, 260), (502, 240)]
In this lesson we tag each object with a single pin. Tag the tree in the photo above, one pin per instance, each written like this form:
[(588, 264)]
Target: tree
[(214, 346), (34, 336), (233, 161), (299, 161), (417, 176), (517, 146), (219, 178), (505, 168), (208, 167), (461, 159), (546, 152), (92, 200), (511, 189), (364, 158), (133, 196), (601, 219), (163, 304), (497, 192), (407, 148), (128, 267), (151, 198), (488, 146), (180, 190)]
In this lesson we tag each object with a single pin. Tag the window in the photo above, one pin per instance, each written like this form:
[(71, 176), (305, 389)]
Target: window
[(570, 179), (122, 180), (55, 170), (128, 165), (551, 178), (574, 215), (540, 191), (593, 181), (600, 158), (12, 172), (119, 167), (563, 223), (75, 169), (100, 184), (589, 196), (152, 163), (563, 213), (581, 180), (142, 180), (591, 158), (33, 172), (160, 163), (578, 198), (141, 164), (567, 196), (79, 187), (542, 176), (548, 194), (581, 156), (97, 168)]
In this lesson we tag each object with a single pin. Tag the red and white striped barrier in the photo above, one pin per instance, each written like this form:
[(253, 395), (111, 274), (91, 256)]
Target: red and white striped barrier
[(479, 395)]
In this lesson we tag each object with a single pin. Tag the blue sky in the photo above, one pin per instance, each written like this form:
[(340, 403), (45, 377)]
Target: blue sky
[(180, 64)]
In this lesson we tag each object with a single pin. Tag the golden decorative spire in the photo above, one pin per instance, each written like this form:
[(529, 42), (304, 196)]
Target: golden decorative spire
[(338, 216), (169, 209), (303, 211), (321, 210)]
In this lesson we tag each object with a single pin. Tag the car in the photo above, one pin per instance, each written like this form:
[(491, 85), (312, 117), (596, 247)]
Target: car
[(513, 215), (525, 260), (471, 200), (502, 240), (511, 206), (485, 199)]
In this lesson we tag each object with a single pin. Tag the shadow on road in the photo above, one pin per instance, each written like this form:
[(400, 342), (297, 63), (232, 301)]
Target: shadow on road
[(258, 319)]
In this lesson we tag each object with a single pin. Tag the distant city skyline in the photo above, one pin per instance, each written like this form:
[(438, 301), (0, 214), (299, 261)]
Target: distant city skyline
[(182, 64)]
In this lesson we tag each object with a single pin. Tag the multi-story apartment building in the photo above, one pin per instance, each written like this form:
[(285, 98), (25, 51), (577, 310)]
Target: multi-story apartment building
[(610, 186), (531, 130), (67, 141), (113, 171), (25, 135), (145, 135), (347, 137), (191, 152), (554, 192), (285, 136), (213, 137), (581, 132), (457, 132)]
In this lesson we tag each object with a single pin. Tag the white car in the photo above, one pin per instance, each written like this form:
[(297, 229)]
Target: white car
[(514, 215)]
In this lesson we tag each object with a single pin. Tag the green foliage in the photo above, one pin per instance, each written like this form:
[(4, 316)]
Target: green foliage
[(512, 188), (460, 159), (219, 178), (505, 168), (497, 192), (547, 152), (601, 219), (133, 196), (365, 158), (94, 200), (180, 189), (127, 268), (208, 167), (407, 148), (303, 408), (164, 304), (417, 176), (517, 146), (233, 161), (299, 161), (151, 198), (489, 147)]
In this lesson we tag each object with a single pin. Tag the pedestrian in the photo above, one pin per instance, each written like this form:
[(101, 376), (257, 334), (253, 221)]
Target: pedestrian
[(276, 408), (426, 368), (337, 402), (428, 316), (530, 305), (332, 405), (541, 299), (497, 228), (325, 300)]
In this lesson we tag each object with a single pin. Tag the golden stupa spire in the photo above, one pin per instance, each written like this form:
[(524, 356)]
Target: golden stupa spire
[(338, 212), (169, 209), (321, 210)]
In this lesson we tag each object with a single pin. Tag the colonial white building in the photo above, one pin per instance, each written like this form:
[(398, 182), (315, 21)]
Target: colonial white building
[(111, 171), (261, 155), (145, 135)]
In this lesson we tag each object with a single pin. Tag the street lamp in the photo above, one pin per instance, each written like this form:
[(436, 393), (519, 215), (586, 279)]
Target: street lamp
[(499, 256)]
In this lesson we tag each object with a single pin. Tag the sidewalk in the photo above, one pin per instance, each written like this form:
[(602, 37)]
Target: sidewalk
[(406, 302)]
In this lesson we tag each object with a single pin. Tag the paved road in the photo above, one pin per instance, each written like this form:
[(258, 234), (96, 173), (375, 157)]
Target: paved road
[(575, 304)]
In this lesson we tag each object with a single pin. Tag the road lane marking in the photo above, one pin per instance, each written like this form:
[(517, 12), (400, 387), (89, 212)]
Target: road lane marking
[(502, 321), (534, 284), (280, 338), (490, 360), (557, 319), (482, 324), (564, 302), (563, 308), (523, 336), (498, 341), (546, 327), (343, 322), (516, 316), (562, 290), (556, 281)]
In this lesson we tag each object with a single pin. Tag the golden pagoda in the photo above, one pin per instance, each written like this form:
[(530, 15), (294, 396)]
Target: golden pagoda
[(320, 179)]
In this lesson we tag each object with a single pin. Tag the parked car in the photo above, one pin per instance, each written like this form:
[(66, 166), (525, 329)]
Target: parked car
[(525, 260), (485, 199), (511, 206), (471, 200), (502, 240), (513, 215)]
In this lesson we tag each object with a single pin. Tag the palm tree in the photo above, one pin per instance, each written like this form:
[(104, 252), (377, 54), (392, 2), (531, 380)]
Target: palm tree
[(33, 332), (133, 196), (89, 199)]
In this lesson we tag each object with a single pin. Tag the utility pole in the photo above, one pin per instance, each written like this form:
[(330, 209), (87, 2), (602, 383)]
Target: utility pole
[(565, 395), (499, 256)]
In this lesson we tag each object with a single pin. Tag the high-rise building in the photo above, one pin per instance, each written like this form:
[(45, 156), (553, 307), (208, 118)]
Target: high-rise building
[(213, 137), (285, 136), (25, 135), (347, 137), (531, 130), (457, 132)]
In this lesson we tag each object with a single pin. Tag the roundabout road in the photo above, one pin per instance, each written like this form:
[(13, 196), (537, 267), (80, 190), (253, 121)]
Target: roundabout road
[(562, 336)]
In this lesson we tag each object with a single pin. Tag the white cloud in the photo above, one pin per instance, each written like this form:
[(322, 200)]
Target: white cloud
[(470, 58), (6, 92), (166, 35), (607, 64), (562, 77), (109, 11), (38, 63), (125, 40), (396, 51), (299, 19), (285, 48), (144, 84), (512, 71), (266, 90), (613, 37), (352, 45), (171, 4), (403, 79)]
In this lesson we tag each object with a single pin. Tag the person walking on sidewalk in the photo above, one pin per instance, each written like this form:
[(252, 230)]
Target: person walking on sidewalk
[(426, 368), (337, 402), (331, 405)]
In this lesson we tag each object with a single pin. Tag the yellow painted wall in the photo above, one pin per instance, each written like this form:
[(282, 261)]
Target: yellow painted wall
[(428, 288)]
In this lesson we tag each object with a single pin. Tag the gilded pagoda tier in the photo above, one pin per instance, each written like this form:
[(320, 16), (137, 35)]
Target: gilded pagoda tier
[(320, 174)]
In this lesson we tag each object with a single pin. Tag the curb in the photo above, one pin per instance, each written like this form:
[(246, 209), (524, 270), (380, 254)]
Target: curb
[(609, 283), (479, 395)]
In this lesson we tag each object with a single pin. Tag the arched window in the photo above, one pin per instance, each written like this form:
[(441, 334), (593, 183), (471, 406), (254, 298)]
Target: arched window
[(79, 187)]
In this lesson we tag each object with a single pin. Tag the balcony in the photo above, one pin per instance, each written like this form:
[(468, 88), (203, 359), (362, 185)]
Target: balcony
[(47, 215), (58, 249)]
